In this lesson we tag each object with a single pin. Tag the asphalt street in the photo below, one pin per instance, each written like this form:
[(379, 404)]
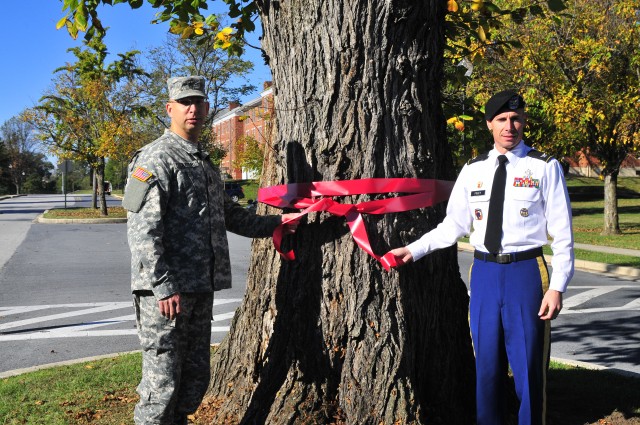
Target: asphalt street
[(65, 296)]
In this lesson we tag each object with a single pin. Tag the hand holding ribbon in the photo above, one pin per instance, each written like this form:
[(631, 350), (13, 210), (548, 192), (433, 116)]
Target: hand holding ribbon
[(315, 197)]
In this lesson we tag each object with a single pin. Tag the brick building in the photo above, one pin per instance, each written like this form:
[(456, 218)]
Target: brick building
[(585, 164), (250, 119)]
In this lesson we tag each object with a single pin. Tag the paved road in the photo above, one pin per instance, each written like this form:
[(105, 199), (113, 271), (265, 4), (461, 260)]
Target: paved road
[(65, 288), (65, 295)]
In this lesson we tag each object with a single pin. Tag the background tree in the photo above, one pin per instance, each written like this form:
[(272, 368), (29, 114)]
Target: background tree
[(475, 36), (116, 172), (249, 155), (90, 115), (22, 161), (226, 80), (580, 71)]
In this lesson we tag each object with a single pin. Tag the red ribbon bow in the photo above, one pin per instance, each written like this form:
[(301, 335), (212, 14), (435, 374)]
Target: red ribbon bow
[(313, 197)]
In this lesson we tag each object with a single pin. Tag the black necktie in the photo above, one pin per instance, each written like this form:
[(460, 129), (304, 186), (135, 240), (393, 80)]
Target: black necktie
[(493, 235)]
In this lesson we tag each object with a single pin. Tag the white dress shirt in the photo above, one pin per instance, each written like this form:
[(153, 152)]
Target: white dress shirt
[(536, 207)]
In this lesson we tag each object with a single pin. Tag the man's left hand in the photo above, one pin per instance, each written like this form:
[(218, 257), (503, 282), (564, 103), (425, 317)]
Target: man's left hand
[(551, 305), (291, 226)]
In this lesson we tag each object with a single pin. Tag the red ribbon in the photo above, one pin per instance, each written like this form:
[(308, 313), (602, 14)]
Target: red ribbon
[(315, 197)]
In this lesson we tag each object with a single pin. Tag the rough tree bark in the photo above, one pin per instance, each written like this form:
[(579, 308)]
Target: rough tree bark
[(332, 337)]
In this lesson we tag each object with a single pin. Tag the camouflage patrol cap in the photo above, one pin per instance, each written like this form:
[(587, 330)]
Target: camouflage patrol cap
[(181, 87), (506, 100)]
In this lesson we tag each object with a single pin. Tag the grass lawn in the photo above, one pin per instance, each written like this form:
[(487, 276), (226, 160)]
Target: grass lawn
[(103, 392), (587, 203), (78, 213)]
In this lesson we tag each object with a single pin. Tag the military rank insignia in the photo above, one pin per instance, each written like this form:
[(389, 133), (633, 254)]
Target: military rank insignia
[(526, 181), (141, 174)]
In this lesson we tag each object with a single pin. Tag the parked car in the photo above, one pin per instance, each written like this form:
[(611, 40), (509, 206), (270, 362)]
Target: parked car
[(234, 190)]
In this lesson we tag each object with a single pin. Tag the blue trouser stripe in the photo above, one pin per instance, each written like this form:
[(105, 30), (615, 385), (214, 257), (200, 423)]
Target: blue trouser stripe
[(506, 330)]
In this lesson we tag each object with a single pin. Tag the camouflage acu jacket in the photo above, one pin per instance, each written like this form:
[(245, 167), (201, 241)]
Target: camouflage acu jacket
[(177, 216)]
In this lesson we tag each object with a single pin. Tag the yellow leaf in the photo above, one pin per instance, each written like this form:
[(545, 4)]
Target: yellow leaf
[(477, 5), (452, 120), (452, 6), (227, 31), (61, 23), (481, 34)]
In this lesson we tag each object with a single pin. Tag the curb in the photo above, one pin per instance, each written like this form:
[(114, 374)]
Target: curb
[(42, 220), (591, 366), (16, 372), (632, 273)]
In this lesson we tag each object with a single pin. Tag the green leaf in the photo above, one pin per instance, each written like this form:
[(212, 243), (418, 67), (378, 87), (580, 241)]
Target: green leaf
[(536, 10), (556, 5), (135, 4)]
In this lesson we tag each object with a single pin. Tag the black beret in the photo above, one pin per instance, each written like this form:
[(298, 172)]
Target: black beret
[(506, 100)]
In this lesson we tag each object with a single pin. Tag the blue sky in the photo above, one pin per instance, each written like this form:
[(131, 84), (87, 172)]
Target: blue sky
[(32, 48)]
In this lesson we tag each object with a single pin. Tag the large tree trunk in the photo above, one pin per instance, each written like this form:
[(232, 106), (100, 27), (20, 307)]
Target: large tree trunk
[(331, 337), (611, 222)]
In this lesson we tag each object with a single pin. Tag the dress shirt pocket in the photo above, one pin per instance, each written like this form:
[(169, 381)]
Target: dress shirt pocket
[(524, 207), (190, 179), (479, 203)]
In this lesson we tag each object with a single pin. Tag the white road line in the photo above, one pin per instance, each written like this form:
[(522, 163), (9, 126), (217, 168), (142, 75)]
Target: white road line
[(88, 329), (585, 296), (26, 322), (6, 311), (76, 334)]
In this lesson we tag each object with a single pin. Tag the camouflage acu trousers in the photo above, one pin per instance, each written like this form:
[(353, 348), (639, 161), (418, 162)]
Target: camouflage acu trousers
[(175, 358)]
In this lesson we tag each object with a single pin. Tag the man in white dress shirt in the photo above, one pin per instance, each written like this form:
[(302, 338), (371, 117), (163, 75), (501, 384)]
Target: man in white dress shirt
[(512, 297)]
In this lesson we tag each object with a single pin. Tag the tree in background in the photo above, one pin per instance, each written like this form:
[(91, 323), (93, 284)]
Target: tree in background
[(476, 36), (181, 57), (580, 73), (116, 173), (90, 115), (26, 168), (249, 155)]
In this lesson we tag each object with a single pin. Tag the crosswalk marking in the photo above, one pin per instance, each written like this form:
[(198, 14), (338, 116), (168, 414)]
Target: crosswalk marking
[(89, 328), (571, 304)]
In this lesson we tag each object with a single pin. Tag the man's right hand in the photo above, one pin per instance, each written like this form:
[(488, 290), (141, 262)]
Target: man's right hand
[(170, 306), (402, 255)]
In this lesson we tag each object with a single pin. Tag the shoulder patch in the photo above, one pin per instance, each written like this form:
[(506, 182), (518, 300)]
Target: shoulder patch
[(141, 174), (539, 155), (481, 157)]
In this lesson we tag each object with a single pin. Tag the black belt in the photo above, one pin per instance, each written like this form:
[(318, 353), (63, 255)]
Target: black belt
[(508, 257)]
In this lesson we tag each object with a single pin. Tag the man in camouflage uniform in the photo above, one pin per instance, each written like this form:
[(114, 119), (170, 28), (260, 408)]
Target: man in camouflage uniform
[(177, 216)]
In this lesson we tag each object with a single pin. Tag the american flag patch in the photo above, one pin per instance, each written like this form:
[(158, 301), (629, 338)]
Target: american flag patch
[(141, 174)]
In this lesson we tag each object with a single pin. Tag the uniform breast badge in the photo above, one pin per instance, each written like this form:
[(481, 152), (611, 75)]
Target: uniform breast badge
[(478, 214), (526, 181), (524, 212)]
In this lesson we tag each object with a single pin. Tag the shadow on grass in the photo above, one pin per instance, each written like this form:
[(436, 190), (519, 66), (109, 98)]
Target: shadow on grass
[(596, 193), (600, 210), (577, 396), (581, 396)]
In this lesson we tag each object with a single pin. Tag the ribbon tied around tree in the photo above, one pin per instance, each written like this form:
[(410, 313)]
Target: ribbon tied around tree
[(317, 197)]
